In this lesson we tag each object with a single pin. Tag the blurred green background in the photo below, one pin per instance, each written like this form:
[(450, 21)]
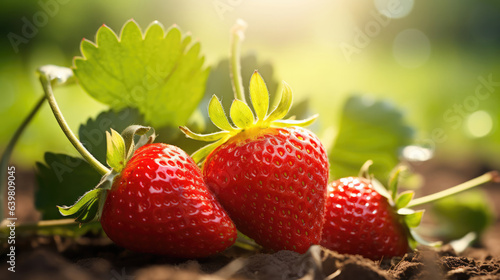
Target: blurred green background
[(427, 57)]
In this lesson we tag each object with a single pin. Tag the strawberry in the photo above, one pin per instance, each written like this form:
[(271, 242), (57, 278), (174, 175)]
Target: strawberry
[(155, 201), (359, 220), (269, 174)]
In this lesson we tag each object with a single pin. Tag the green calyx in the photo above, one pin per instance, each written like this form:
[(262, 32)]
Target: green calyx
[(243, 118), (399, 201), (120, 148)]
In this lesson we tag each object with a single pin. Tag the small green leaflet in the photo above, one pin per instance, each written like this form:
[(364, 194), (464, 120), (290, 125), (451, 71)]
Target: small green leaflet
[(369, 129), (61, 179), (159, 72)]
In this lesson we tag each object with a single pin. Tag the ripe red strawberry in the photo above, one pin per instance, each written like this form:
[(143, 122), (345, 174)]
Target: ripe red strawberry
[(359, 220), (269, 174), (158, 203)]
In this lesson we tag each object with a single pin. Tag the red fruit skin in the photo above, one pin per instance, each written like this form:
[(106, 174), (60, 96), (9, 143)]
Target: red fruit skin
[(159, 204), (272, 182), (358, 220)]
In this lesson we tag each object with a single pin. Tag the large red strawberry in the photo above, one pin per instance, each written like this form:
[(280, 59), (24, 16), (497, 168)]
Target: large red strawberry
[(359, 220), (157, 202), (269, 174)]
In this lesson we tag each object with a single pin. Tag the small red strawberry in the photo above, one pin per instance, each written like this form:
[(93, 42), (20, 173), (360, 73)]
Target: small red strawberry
[(365, 218), (359, 220), (157, 202), (269, 174)]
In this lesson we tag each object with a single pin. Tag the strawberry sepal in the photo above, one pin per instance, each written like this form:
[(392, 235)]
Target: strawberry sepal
[(120, 148), (243, 118), (409, 218)]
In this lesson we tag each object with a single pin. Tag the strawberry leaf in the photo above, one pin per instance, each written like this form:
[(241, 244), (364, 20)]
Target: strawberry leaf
[(369, 129), (60, 180), (146, 71), (92, 134)]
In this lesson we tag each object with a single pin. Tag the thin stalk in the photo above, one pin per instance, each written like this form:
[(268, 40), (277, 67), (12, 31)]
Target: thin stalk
[(47, 87), (10, 147), (491, 176), (47, 225), (237, 36)]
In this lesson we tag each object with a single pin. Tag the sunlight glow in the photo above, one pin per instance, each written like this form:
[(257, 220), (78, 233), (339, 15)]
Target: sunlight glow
[(479, 124)]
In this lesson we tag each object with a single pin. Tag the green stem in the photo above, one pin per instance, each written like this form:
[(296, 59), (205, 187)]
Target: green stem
[(10, 147), (492, 176), (46, 226), (237, 35), (47, 87)]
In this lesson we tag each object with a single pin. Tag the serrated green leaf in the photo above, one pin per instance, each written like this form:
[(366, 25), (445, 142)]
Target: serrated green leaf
[(369, 129), (284, 105), (403, 199), (92, 134), (413, 220), (259, 96), (61, 179), (241, 114), (217, 115), (144, 71), (116, 153)]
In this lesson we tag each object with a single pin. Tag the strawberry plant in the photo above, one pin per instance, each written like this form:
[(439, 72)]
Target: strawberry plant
[(269, 174), (363, 217), (154, 200)]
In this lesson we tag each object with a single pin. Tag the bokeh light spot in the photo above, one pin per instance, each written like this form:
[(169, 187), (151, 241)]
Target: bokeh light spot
[(417, 153), (411, 48), (394, 8), (479, 124)]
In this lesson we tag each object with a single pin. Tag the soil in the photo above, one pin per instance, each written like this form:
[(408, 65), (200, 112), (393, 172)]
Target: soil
[(96, 257)]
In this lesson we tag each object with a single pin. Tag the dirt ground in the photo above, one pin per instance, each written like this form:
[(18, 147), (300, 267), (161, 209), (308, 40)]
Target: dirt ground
[(95, 257)]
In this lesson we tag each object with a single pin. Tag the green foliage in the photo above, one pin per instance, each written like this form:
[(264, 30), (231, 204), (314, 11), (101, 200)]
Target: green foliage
[(369, 129), (92, 134), (460, 214), (159, 72), (61, 179)]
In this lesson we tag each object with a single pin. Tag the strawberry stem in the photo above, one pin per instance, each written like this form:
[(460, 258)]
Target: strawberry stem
[(10, 147), (45, 226), (492, 176), (237, 36), (47, 88)]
